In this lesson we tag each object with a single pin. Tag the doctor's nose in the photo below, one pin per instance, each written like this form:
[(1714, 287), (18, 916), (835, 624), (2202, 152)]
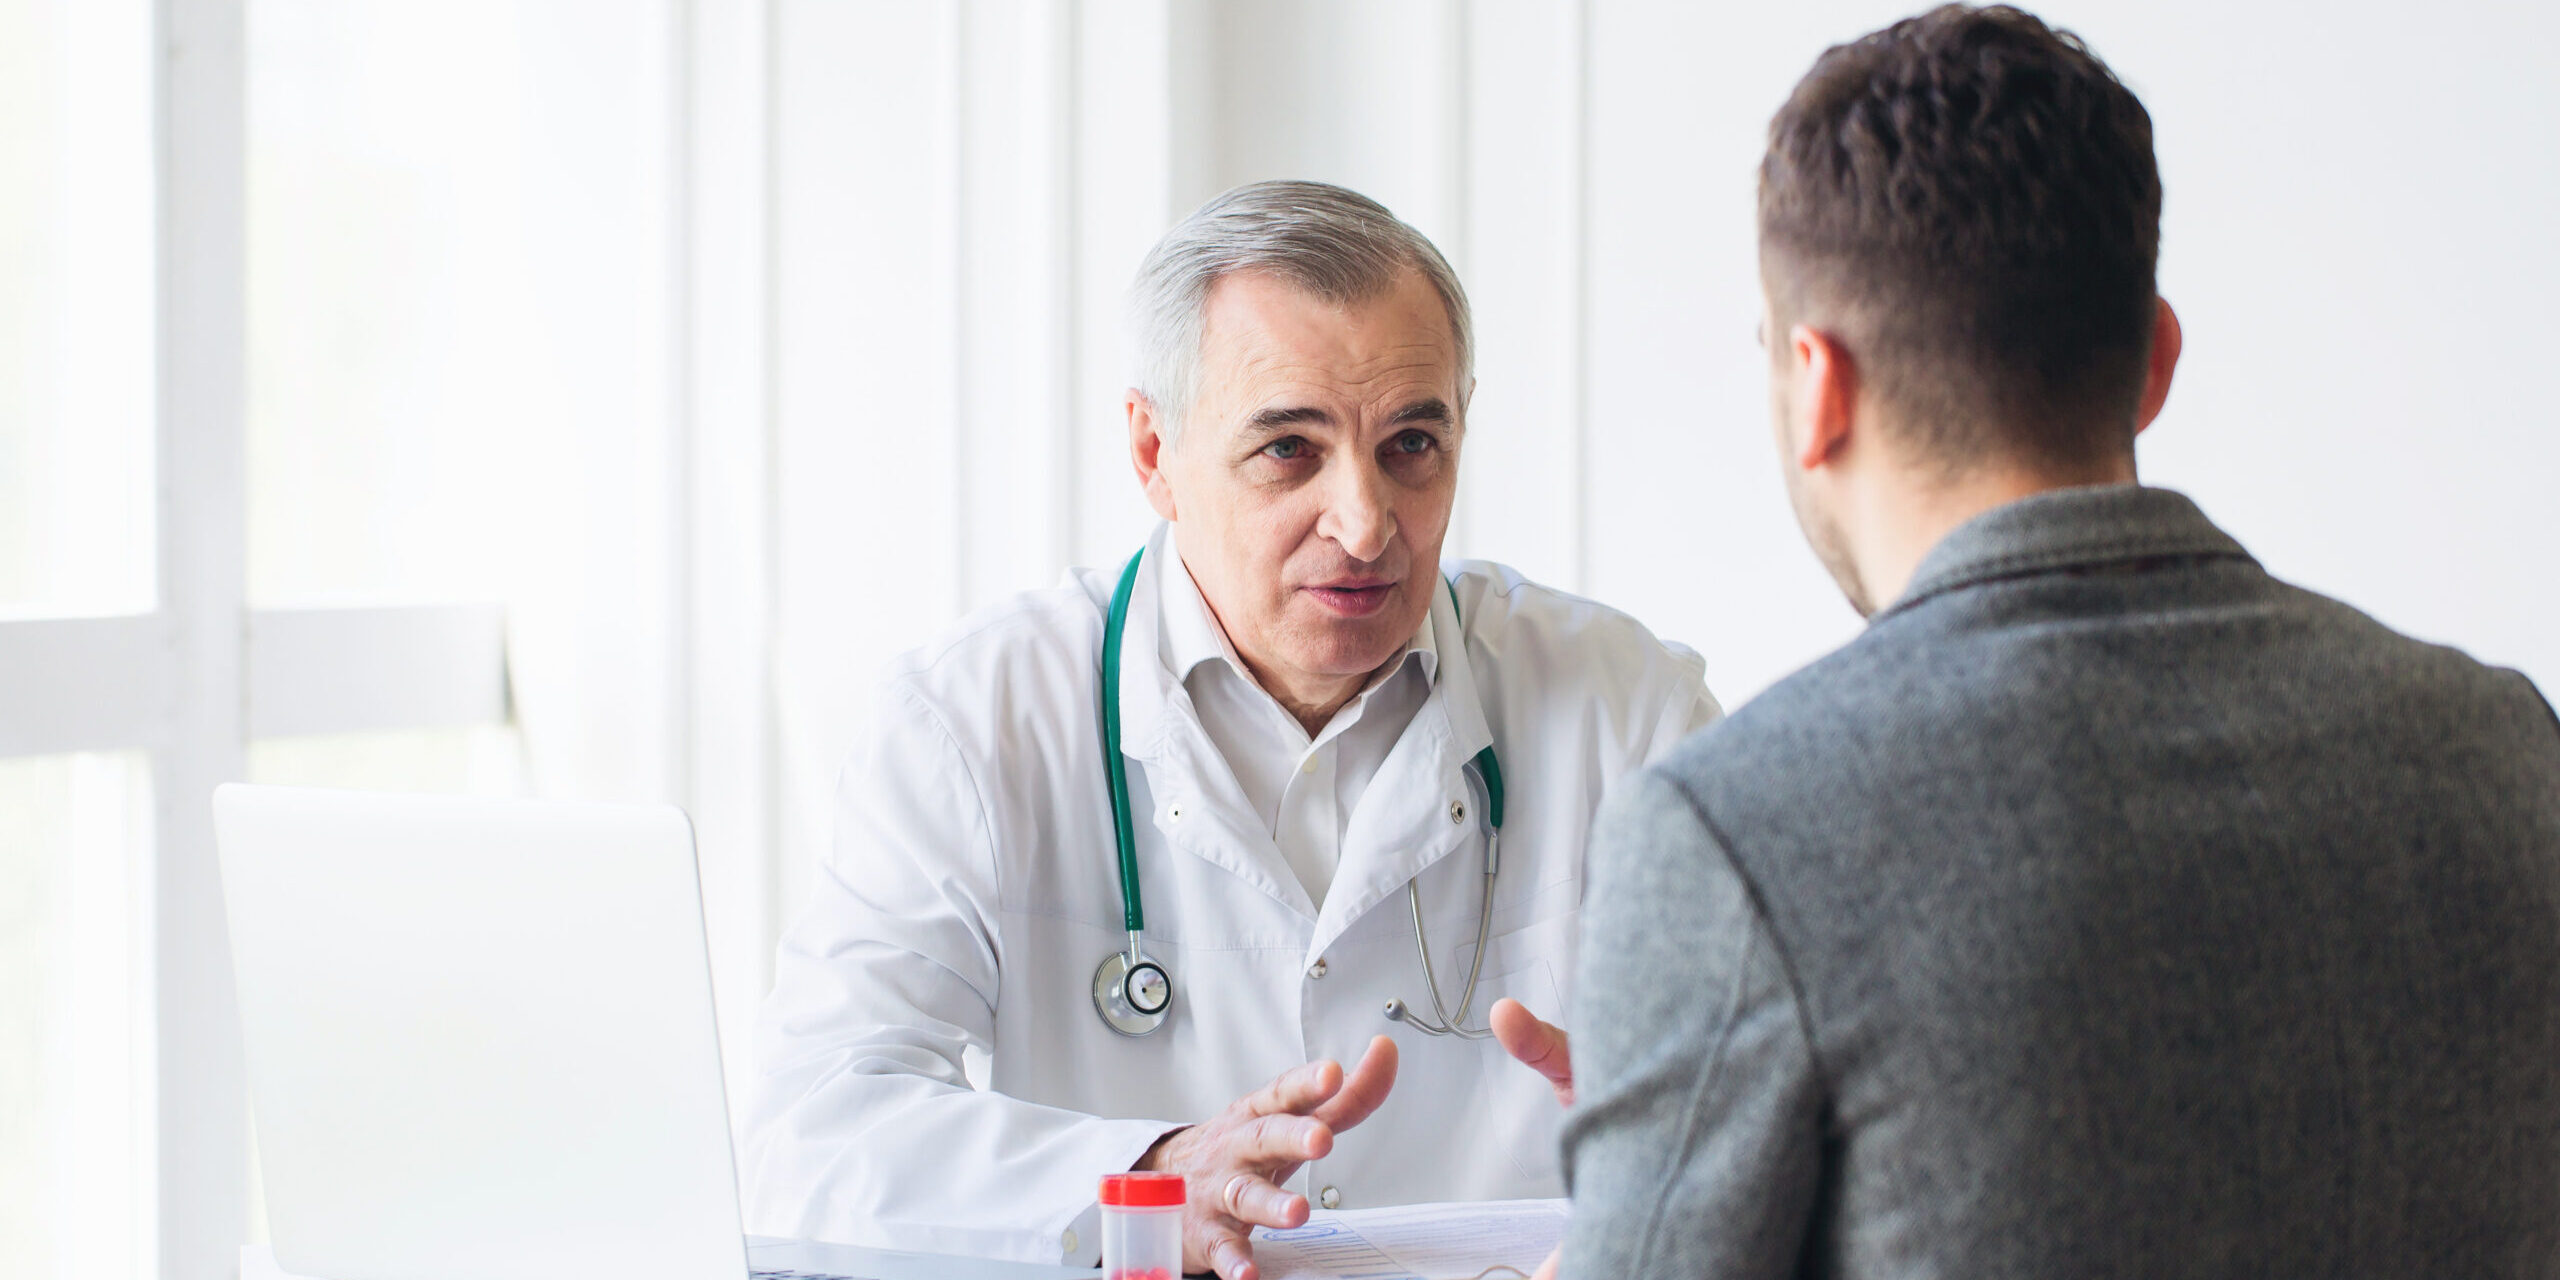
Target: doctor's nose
[(1358, 516)]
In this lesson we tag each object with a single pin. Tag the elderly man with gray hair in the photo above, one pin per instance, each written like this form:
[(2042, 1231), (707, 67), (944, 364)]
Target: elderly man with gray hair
[(1127, 868)]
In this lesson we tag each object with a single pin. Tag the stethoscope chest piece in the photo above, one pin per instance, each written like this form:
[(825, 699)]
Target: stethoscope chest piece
[(1132, 997)]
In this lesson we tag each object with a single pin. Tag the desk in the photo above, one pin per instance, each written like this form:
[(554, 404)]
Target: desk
[(765, 1253)]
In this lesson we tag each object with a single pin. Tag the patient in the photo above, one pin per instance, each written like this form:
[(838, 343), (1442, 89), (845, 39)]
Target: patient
[(2109, 907)]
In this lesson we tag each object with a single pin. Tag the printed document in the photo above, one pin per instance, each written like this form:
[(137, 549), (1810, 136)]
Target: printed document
[(1493, 1239)]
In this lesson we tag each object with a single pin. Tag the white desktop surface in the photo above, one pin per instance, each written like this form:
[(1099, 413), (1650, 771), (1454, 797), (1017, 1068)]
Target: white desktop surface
[(258, 1262), (765, 1253)]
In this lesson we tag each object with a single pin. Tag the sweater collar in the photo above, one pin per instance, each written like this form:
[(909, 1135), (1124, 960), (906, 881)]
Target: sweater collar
[(2063, 529)]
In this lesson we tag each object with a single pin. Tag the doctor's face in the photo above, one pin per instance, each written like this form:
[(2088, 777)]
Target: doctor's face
[(1311, 484)]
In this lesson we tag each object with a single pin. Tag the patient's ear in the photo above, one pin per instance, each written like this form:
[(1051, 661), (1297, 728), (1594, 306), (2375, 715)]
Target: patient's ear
[(1826, 396), (1147, 448), (2168, 340)]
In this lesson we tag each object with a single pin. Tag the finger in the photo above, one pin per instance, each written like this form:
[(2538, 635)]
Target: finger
[(1547, 1269), (1281, 1140), (1258, 1201), (1297, 1090), (1541, 1045), (1231, 1257), (1364, 1089)]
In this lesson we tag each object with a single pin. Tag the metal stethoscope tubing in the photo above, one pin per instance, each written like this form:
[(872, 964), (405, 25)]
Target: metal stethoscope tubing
[(1398, 1010)]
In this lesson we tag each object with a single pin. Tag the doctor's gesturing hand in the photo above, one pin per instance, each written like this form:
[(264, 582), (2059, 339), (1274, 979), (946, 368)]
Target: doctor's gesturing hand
[(1232, 1165)]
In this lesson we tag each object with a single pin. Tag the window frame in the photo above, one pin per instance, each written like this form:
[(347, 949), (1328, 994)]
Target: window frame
[(192, 680)]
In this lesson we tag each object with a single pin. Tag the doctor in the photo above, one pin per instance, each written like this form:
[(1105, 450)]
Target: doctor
[(1324, 738)]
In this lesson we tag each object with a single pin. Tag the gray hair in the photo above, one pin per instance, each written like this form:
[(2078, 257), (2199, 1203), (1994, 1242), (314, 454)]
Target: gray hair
[(1335, 243)]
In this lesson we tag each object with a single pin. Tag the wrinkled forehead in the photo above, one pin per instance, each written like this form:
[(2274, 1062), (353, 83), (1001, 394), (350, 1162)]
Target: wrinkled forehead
[(1264, 336)]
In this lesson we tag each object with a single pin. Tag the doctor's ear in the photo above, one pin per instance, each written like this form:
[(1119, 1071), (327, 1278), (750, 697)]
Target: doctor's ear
[(1148, 448)]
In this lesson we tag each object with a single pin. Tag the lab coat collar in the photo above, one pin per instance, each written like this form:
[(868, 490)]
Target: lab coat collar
[(1198, 805), (1402, 825)]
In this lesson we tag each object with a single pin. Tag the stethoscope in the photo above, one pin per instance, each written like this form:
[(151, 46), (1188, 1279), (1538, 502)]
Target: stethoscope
[(1134, 994)]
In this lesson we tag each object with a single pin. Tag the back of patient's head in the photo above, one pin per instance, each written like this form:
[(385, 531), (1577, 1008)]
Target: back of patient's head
[(1967, 200)]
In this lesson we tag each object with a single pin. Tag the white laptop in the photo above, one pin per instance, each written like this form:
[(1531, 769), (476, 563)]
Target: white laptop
[(480, 1045)]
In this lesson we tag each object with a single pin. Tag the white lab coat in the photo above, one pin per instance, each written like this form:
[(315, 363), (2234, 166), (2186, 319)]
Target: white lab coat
[(973, 888)]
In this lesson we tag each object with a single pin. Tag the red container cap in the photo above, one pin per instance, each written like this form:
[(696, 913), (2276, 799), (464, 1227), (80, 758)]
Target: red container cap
[(1142, 1190)]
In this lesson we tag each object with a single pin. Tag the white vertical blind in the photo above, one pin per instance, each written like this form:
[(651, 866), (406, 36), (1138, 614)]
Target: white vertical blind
[(1525, 266), (199, 1087), (731, 785)]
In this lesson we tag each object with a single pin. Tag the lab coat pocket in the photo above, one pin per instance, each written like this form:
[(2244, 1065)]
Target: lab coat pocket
[(1518, 1103)]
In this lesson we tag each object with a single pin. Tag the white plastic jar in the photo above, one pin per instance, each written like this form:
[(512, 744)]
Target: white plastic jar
[(1142, 1226)]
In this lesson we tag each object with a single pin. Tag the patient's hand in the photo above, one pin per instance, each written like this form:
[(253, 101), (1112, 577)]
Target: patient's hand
[(1542, 1045), (1549, 1052), (1232, 1165)]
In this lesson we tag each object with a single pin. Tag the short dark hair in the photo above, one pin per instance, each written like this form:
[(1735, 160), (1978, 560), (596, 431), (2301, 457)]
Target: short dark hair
[(1970, 197)]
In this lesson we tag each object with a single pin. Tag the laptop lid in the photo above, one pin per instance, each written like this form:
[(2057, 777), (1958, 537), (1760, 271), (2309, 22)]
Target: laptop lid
[(479, 1037)]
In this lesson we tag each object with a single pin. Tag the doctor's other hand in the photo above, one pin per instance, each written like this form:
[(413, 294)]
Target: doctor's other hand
[(1232, 1164), (1541, 1045)]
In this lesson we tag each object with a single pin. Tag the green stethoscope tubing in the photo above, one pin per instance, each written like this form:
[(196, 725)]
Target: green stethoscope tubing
[(1132, 913), (1133, 917)]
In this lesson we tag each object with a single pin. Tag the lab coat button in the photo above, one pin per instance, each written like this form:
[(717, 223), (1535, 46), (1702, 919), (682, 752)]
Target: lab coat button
[(1174, 812), (1317, 969), (1068, 1241), (1458, 812), (1330, 1197)]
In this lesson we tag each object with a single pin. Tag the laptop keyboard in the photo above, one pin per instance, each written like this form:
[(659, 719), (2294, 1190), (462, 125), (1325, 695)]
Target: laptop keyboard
[(800, 1275)]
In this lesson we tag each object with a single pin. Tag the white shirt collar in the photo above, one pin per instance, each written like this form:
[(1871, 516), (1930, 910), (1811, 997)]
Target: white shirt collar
[(1148, 681), (1191, 635), (1304, 789), (1162, 728)]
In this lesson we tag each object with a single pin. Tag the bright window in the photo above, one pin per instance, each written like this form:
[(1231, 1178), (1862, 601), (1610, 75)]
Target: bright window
[(75, 307), (403, 371), (396, 366), (483, 760), (76, 529), (74, 1052)]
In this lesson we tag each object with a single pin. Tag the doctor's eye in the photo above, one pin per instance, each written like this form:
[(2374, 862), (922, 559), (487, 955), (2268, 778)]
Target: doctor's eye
[(1287, 448), (1414, 442)]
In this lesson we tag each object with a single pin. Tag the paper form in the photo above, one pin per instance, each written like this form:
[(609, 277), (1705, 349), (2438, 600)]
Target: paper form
[(1415, 1242)]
